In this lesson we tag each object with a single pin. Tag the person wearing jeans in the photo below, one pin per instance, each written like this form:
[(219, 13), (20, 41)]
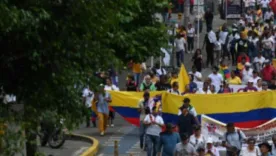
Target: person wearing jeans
[(180, 44), (137, 70), (143, 108), (154, 123)]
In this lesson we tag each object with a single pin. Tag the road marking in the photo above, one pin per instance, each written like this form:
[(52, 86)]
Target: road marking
[(135, 149), (80, 151)]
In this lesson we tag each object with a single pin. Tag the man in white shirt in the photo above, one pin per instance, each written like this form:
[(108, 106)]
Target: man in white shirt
[(180, 46), (144, 105), (259, 59), (210, 149), (268, 16), (109, 86), (247, 73), (88, 96), (190, 37), (216, 78), (174, 89), (197, 75), (154, 123), (252, 4), (255, 77), (264, 4), (258, 62)]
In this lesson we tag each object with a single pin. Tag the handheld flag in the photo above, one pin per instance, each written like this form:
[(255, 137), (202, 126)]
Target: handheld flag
[(183, 79)]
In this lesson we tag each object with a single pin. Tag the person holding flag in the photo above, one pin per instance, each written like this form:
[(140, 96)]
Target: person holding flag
[(154, 123)]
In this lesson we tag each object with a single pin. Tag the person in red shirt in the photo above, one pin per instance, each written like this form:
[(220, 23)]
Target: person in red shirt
[(268, 71), (242, 56)]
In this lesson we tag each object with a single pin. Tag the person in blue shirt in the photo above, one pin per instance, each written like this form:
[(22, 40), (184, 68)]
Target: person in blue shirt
[(168, 140)]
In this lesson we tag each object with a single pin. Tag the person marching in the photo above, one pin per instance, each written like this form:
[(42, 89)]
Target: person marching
[(103, 98)]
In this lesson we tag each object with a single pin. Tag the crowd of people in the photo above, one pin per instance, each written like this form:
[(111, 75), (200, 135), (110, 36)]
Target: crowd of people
[(241, 57)]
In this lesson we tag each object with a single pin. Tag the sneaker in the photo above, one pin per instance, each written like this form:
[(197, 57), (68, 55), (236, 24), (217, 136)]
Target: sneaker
[(112, 125), (102, 133)]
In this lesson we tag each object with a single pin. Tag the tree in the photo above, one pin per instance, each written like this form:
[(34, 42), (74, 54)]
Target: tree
[(51, 46)]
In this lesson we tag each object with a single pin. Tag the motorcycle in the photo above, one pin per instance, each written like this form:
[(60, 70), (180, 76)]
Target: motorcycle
[(54, 135)]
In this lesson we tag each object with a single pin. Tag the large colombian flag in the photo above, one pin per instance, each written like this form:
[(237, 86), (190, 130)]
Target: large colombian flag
[(246, 110)]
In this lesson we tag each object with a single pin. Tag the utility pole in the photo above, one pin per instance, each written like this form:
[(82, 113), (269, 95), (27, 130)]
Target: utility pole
[(186, 12)]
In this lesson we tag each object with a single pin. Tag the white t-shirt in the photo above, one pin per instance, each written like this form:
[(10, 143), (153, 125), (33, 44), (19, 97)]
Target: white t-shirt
[(191, 32), (264, 3), (259, 60), (255, 80), (197, 75), (223, 36), (246, 152), (268, 15), (252, 3), (176, 92), (161, 71), (249, 18), (198, 142), (246, 3), (200, 91), (259, 88), (154, 129), (89, 96), (179, 44), (246, 75), (214, 150), (216, 80), (112, 87)]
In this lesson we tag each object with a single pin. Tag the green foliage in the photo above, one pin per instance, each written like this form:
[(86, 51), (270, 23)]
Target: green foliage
[(51, 48)]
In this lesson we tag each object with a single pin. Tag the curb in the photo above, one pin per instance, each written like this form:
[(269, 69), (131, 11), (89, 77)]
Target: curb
[(92, 150)]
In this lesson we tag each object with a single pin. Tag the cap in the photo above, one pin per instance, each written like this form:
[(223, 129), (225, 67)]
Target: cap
[(266, 61), (209, 141), (251, 81), (247, 64)]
